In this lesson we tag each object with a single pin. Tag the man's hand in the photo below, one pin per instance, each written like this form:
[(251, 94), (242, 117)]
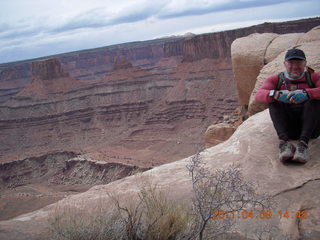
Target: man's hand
[(282, 96), (297, 96)]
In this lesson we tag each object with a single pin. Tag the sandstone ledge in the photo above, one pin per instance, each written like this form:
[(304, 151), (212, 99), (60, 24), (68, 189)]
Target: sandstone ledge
[(253, 145)]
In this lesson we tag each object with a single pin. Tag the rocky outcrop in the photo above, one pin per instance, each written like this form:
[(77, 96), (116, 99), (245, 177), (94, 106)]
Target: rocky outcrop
[(48, 80), (218, 133), (47, 70), (121, 63), (265, 56), (279, 43), (65, 168), (30, 184), (254, 146), (247, 60)]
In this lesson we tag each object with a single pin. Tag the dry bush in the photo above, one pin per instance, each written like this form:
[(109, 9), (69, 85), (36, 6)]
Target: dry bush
[(221, 190), (72, 223), (153, 216), (166, 218)]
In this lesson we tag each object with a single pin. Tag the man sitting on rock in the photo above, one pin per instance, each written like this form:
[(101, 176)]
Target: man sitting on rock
[(294, 106)]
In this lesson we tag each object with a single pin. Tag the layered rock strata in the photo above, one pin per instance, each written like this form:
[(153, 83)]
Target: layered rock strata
[(95, 63), (131, 107), (30, 184)]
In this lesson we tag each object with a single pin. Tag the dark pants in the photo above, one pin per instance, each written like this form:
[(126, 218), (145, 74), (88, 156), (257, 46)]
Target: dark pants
[(296, 121)]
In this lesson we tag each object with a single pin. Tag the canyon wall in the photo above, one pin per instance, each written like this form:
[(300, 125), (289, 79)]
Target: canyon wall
[(95, 63), (142, 103)]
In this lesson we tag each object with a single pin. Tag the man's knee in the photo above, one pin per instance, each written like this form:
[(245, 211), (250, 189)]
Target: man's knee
[(313, 103)]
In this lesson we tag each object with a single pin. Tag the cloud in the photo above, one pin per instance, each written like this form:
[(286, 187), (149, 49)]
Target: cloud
[(90, 19), (182, 8), (166, 9), (101, 17), (136, 14), (103, 23), (4, 27), (18, 32)]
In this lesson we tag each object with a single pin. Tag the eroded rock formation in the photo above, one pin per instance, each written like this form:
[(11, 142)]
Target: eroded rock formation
[(30, 184), (49, 80), (145, 117), (218, 133)]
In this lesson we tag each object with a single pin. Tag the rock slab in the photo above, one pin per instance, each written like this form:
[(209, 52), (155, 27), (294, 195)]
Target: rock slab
[(254, 146)]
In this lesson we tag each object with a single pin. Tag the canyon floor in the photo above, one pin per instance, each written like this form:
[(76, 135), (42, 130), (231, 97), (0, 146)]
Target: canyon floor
[(31, 183)]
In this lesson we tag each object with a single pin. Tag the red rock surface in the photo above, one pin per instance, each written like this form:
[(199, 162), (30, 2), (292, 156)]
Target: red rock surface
[(48, 80), (132, 115)]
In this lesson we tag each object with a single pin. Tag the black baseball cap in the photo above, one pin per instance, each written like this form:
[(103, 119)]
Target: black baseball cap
[(295, 53)]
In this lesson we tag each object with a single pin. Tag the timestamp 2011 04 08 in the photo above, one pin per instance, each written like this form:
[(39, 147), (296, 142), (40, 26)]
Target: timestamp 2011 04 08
[(262, 214)]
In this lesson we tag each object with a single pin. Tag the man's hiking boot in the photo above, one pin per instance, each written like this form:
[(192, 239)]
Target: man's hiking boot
[(301, 154), (286, 151)]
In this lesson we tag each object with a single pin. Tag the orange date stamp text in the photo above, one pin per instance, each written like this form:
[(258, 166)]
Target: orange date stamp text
[(262, 214)]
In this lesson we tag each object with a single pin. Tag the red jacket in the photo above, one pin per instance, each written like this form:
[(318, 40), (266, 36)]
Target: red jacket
[(270, 83)]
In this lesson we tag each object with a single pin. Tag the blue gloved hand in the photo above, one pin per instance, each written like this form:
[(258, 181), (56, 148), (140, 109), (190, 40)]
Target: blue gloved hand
[(282, 96), (298, 96)]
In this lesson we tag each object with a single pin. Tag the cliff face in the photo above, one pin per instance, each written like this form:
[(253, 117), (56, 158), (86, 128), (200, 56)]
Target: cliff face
[(48, 70), (95, 63), (143, 103), (48, 80), (217, 45), (13, 78), (131, 115)]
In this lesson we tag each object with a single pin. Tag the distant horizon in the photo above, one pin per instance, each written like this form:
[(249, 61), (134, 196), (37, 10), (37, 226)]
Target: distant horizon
[(154, 39), (30, 29)]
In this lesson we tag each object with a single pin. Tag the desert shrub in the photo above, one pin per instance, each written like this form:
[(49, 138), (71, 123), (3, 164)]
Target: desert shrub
[(70, 223), (152, 216), (220, 190), (155, 216)]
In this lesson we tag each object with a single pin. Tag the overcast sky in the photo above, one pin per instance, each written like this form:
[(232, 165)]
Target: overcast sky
[(35, 28)]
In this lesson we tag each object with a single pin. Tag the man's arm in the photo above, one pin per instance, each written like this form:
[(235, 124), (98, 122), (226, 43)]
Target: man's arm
[(314, 93), (263, 94)]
